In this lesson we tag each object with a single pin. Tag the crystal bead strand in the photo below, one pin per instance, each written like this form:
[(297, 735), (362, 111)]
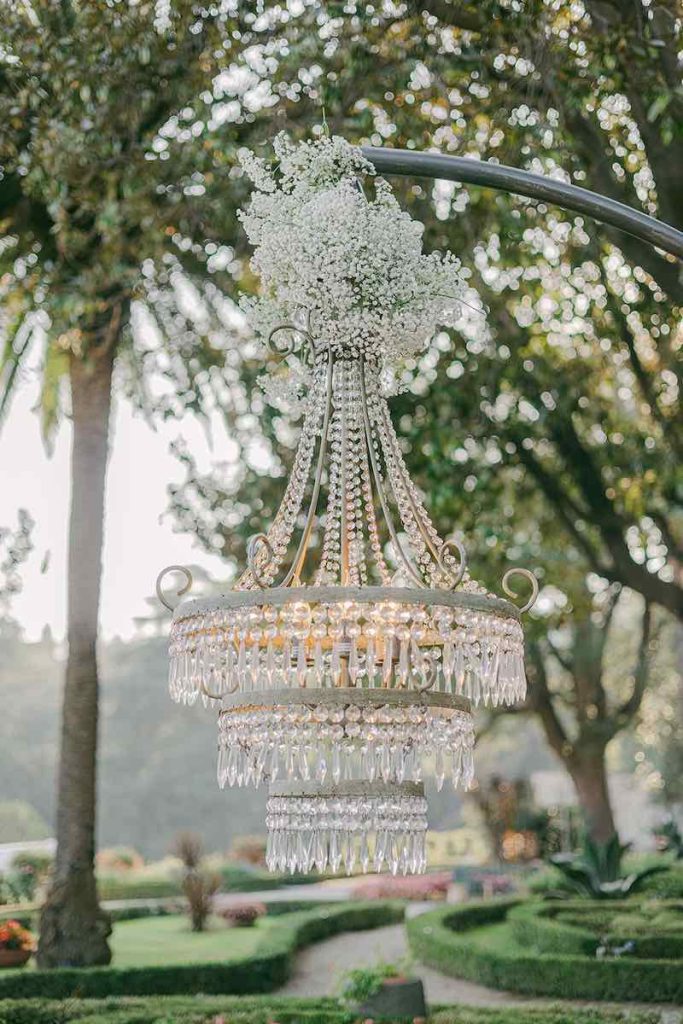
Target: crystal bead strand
[(401, 482), (328, 570), (280, 532)]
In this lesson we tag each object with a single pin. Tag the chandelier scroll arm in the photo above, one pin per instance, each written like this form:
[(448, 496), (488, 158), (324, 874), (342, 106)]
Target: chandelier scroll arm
[(292, 346), (206, 692), (455, 577), (528, 575), (380, 487), (253, 544), (180, 592)]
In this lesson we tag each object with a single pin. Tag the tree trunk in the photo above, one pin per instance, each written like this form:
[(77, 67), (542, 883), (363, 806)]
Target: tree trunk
[(589, 775), (73, 928)]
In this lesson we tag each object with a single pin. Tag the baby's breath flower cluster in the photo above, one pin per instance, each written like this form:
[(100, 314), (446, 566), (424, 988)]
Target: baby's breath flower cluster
[(349, 265)]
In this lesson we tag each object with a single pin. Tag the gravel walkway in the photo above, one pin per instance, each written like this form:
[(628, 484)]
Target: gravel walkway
[(318, 969)]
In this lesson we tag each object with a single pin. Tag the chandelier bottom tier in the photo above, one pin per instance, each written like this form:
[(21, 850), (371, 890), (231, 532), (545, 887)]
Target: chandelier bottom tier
[(351, 825), (349, 733)]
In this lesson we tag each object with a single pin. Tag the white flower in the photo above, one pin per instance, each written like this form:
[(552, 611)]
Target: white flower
[(351, 265)]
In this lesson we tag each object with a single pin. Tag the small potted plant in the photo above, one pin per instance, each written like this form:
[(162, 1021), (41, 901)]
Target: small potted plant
[(384, 992), (16, 944), (242, 915)]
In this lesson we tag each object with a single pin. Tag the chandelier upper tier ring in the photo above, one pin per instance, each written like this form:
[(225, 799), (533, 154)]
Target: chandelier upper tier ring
[(281, 596), (352, 789), (342, 695)]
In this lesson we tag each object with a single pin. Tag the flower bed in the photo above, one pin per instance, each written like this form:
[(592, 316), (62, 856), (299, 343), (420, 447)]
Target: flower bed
[(411, 887), (477, 942)]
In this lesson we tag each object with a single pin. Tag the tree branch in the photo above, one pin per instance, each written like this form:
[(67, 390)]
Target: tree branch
[(541, 702), (456, 15), (630, 708)]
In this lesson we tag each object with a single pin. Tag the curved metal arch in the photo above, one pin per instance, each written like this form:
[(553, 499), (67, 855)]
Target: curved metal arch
[(534, 186)]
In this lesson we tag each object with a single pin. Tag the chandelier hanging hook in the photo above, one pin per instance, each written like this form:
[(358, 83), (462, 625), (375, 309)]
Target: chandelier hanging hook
[(254, 543), (528, 575), (179, 593)]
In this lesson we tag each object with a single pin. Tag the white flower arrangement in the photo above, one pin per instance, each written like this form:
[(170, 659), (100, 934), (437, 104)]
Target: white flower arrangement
[(347, 269)]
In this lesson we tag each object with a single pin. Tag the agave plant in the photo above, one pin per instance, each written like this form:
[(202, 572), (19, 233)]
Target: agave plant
[(597, 871)]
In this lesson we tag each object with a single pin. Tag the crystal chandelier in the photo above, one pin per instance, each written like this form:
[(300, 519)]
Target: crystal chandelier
[(351, 649)]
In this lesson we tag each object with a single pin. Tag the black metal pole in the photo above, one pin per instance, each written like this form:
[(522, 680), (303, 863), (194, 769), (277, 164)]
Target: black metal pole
[(535, 186)]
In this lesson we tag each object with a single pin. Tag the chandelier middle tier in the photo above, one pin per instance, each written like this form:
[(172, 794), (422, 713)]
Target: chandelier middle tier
[(353, 733)]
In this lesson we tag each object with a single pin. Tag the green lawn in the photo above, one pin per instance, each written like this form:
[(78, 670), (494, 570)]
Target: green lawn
[(168, 940)]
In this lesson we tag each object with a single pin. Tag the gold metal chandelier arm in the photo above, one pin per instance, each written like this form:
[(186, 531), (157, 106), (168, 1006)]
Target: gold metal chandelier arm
[(421, 516), (415, 575), (528, 575), (204, 690), (418, 513), (179, 593), (297, 565)]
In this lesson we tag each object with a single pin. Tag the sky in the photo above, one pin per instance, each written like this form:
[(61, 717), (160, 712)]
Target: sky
[(139, 538)]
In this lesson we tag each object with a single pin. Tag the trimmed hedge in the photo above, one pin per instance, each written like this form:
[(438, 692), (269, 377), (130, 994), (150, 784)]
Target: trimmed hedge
[(137, 885), (174, 1010), (265, 1010), (440, 938), (540, 926), (534, 926), (665, 886), (265, 969)]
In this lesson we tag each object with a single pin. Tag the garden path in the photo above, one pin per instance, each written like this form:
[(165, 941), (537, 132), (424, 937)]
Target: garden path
[(318, 968)]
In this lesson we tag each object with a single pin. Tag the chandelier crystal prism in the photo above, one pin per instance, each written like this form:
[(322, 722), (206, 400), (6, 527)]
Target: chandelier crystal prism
[(354, 644), (355, 825)]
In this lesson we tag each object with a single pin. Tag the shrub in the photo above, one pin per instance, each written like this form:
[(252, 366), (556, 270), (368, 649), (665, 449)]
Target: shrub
[(119, 858), (265, 1010), (199, 886), (666, 886), (244, 878), (14, 936), (249, 850), (263, 970), (139, 909), (137, 886), (415, 887), (359, 984), (28, 871), (549, 883), (488, 883), (440, 939), (243, 915), (598, 871)]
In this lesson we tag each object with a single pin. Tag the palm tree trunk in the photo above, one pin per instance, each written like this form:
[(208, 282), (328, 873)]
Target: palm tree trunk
[(73, 928)]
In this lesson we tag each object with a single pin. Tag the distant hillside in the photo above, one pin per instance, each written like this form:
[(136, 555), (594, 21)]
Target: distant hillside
[(157, 760)]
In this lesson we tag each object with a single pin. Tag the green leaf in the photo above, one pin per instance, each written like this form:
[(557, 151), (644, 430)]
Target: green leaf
[(658, 106)]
